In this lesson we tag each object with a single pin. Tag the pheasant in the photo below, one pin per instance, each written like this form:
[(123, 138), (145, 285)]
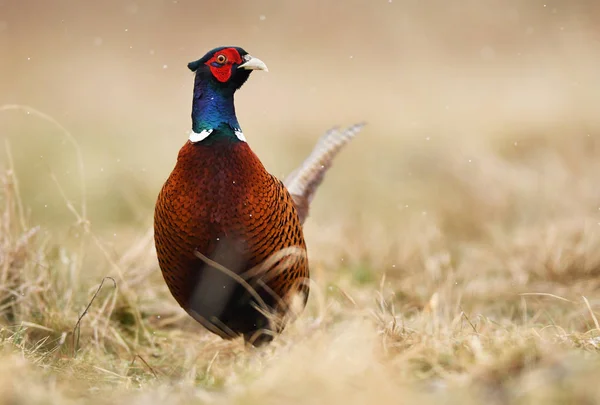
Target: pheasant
[(228, 234)]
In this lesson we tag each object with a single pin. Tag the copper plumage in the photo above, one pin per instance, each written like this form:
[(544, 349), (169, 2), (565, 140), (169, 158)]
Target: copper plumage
[(228, 234)]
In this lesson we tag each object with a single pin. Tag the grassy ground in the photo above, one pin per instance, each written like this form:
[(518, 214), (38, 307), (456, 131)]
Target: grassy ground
[(454, 246), (479, 284)]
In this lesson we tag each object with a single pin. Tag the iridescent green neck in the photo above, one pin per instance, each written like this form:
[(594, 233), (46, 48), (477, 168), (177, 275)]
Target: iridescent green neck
[(213, 108)]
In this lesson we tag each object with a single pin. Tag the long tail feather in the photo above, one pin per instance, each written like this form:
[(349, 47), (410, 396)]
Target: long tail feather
[(303, 182)]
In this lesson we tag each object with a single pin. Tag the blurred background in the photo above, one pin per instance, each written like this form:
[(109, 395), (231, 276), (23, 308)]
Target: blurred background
[(432, 79), (464, 219)]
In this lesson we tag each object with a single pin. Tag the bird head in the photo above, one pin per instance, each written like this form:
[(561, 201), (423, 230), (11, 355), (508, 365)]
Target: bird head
[(226, 67)]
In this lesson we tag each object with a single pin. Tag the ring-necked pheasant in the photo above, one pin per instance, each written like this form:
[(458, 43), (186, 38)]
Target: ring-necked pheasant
[(228, 234)]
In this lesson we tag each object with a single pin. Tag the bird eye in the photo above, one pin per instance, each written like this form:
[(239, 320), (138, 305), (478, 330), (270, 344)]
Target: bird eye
[(221, 59)]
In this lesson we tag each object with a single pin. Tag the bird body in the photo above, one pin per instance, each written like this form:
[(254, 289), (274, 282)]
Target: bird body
[(220, 201), (228, 234)]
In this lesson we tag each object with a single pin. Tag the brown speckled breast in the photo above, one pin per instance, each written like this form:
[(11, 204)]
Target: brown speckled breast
[(220, 200)]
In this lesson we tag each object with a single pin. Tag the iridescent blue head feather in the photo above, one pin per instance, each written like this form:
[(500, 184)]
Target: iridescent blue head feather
[(219, 74)]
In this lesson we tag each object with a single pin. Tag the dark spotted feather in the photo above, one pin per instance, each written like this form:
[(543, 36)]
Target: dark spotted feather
[(221, 202)]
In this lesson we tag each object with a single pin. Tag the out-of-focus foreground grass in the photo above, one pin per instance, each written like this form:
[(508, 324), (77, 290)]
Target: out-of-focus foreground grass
[(454, 246)]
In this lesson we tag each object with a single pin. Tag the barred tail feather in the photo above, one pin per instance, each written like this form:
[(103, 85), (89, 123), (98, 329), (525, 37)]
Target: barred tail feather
[(304, 181)]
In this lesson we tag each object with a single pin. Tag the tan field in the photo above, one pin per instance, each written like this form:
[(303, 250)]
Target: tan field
[(454, 245)]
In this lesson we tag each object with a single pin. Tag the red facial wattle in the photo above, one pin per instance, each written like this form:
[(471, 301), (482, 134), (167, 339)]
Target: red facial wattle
[(222, 72)]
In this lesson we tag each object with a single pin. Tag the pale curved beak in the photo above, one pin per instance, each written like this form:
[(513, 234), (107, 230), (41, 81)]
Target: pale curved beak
[(253, 63)]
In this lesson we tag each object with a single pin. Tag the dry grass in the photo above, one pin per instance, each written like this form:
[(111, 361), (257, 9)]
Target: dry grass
[(454, 246), (488, 292)]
